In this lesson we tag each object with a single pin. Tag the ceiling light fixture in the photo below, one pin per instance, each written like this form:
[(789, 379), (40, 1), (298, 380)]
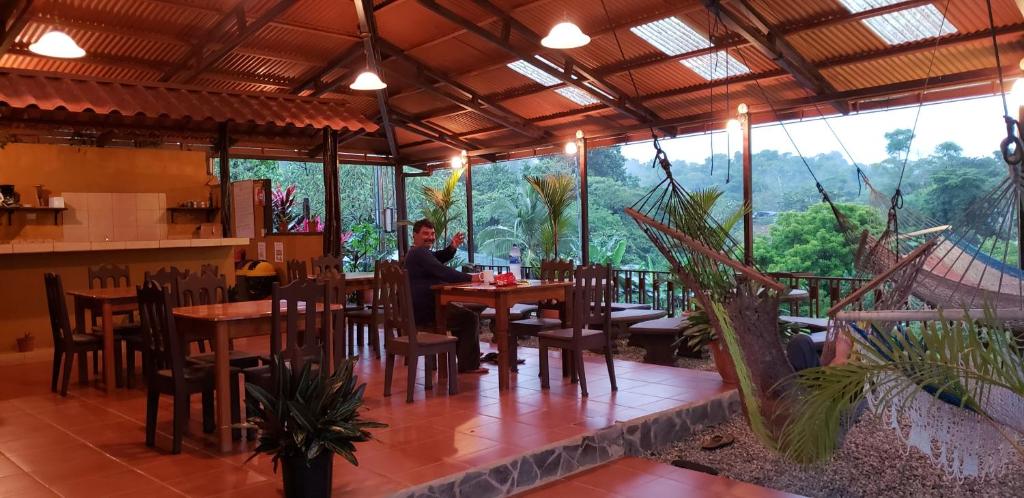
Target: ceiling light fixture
[(368, 80), (571, 148), (565, 35), (57, 44), (733, 127)]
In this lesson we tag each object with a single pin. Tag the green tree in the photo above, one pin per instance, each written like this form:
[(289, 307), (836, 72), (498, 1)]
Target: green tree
[(810, 241), (898, 141)]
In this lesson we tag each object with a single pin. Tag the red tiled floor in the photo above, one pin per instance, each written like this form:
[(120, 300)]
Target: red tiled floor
[(638, 478), (92, 443)]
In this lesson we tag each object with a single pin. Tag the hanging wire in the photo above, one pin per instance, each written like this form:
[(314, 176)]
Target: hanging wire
[(622, 56), (713, 65), (1012, 137)]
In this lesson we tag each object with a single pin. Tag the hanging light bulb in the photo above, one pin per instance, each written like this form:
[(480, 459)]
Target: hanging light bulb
[(368, 80), (571, 149), (456, 162), (57, 44), (565, 35), (742, 108), (733, 127)]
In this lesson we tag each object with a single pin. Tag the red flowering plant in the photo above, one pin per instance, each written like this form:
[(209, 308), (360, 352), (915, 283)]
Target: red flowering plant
[(283, 201)]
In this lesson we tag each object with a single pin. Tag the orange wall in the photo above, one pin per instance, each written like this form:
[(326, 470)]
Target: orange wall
[(296, 246), (60, 168), (23, 299)]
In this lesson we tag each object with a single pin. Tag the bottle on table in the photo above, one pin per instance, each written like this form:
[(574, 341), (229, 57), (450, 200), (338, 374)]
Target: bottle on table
[(514, 262)]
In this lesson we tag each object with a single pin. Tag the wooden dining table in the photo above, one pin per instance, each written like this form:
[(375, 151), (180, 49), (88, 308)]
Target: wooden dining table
[(104, 303), (221, 322), (501, 299)]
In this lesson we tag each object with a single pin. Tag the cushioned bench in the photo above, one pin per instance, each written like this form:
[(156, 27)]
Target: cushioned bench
[(629, 306), (657, 337), (516, 312)]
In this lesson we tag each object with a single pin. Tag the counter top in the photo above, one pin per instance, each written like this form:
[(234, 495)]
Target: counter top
[(47, 246)]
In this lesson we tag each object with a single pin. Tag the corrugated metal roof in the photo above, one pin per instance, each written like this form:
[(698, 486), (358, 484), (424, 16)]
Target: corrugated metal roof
[(23, 89)]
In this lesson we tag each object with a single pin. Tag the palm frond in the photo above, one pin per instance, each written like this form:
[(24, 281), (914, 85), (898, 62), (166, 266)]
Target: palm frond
[(557, 192)]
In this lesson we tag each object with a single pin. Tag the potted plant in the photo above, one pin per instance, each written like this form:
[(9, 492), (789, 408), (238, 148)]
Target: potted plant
[(26, 342), (283, 201), (305, 419), (557, 192), (438, 203)]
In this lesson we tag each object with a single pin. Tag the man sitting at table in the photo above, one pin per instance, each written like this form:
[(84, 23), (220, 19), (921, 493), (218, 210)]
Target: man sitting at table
[(427, 268)]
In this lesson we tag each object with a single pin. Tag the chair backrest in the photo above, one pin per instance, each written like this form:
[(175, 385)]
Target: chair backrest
[(202, 288), (168, 278), (60, 324), (324, 263), (209, 268), (395, 298), (592, 298), (109, 275), (558, 270), (296, 270), (162, 347), (335, 283), (299, 301)]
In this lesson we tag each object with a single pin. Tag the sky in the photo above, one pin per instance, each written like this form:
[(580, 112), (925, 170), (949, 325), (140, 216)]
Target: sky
[(975, 124)]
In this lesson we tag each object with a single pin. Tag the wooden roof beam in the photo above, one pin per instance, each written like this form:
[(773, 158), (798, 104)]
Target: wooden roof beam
[(13, 19), (774, 46), (469, 100), (571, 71), (316, 81), (185, 73), (368, 31)]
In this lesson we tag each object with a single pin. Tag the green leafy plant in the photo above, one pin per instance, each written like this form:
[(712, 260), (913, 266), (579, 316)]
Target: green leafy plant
[(693, 216), (439, 205), (360, 245), (557, 192), (309, 412), (965, 358), (610, 253)]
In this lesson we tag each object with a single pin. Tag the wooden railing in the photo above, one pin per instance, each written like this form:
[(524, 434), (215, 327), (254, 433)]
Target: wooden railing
[(662, 291)]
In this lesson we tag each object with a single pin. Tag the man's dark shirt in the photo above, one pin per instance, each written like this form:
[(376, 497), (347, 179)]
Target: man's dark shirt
[(427, 268)]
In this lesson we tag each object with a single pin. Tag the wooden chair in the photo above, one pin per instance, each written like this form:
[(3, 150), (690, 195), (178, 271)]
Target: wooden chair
[(116, 276), (557, 270), (301, 338), (366, 317), (168, 278), (592, 298), (324, 263), (66, 343), (296, 270), (210, 268), (402, 338), (207, 288), (168, 372), (338, 293)]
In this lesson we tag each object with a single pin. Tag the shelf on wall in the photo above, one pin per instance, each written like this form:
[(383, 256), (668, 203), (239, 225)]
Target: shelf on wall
[(210, 212), (10, 210)]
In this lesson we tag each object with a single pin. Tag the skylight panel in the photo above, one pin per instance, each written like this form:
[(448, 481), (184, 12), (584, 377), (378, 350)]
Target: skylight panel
[(902, 26), (674, 37), (576, 95), (530, 71)]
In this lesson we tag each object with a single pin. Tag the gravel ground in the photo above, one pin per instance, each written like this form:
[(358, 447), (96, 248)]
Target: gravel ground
[(871, 464)]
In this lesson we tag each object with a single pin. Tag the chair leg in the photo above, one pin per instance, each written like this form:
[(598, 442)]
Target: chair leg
[(429, 363), (129, 366), (208, 424), (56, 369), (611, 366), (83, 366), (152, 406), (577, 356), (453, 374), (411, 377), (95, 362), (389, 373), (570, 355), (180, 419), (359, 335), (69, 362), (118, 370), (236, 408), (545, 383), (566, 366), (375, 339), (513, 352), (202, 345)]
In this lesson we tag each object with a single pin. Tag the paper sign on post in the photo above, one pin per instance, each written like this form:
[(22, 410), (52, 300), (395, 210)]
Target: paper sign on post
[(261, 250), (279, 252)]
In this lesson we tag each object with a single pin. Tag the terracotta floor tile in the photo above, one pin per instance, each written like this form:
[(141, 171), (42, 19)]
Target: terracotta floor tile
[(216, 482), (85, 485), (613, 478), (23, 486), (567, 489), (188, 463), (7, 467), (431, 472), (263, 490)]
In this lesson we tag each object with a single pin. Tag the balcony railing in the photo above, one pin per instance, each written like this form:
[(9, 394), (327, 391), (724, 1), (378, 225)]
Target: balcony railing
[(662, 291)]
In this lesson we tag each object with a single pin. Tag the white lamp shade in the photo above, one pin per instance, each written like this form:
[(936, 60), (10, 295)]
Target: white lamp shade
[(456, 162), (57, 44), (368, 80), (571, 148), (565, 35)]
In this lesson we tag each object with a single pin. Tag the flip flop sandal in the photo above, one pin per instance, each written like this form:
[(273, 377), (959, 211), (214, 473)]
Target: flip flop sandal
[(490, 358), (717, 441)]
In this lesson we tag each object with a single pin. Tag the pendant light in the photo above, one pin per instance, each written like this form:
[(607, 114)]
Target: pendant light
[(565, 35), (368, 80), (57, 44)]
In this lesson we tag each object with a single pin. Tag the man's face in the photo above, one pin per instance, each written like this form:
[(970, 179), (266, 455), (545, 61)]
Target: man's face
[(424, 238)]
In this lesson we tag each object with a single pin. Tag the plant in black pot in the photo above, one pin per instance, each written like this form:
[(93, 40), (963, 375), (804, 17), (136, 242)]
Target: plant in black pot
[(304, 419)]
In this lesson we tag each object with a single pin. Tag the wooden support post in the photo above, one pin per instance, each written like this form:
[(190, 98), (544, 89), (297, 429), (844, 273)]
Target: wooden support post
[(403, 212), (1020, 197), (581, 154), (223, 144), (332, 195), (470, 240), (748, 193)]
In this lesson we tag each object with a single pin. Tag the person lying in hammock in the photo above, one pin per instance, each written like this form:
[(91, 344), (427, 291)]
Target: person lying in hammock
[(802, 353)]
